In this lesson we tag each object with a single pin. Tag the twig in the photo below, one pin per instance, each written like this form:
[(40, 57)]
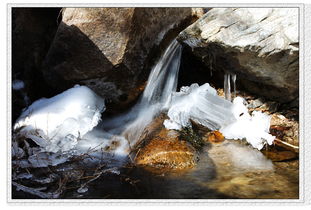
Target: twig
[(97, 175), (34, 191), (286, 145)]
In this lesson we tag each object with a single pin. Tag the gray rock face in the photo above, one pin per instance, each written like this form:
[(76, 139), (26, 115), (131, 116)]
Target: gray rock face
[(260, 45), (110, 49)]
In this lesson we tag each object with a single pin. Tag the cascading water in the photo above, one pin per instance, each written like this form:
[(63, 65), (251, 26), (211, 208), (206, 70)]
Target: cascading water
[(156, 97)]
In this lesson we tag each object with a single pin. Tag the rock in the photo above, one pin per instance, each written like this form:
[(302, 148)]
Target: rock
[(260, 45), (111, 50), (215, 137), (285, 129), (167, 153), (276, 155), (254, 103), (163, 149)]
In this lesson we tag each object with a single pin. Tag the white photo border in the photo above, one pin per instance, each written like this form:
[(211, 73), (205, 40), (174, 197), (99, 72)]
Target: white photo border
[(304, 114)]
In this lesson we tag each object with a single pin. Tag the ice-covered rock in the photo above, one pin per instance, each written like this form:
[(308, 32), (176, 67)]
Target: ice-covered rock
[(55, 124), (202, 105)]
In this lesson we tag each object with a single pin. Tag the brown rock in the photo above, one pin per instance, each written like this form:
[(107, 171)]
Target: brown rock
[(165, 150), (111, 50), (276, 155), (285, 129), (215, 137)]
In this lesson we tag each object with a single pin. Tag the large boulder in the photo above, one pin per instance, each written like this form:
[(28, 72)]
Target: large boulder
[(111, 50), (260, 45)]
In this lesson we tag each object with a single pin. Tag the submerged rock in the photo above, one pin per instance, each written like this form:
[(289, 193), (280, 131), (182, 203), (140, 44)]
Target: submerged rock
[(260, 45), (107, 49), (161, 153), (164, 149)]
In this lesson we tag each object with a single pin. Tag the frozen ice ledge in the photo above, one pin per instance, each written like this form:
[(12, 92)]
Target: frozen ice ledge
[(202, 105)]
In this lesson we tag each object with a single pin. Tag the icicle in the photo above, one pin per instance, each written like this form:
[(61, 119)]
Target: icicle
[(233, 77), (227, 88)]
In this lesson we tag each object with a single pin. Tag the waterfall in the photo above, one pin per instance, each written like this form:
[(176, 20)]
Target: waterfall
[(156, 97)]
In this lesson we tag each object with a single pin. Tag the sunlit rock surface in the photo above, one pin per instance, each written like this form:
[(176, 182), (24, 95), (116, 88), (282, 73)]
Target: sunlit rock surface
[(164, 149), (260, 45)]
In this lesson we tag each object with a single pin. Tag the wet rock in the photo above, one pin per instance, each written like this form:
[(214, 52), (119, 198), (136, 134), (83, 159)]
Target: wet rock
[(276, 155), (285, 129), (215, 137), (166, 150), (111, 49), (260, 45)]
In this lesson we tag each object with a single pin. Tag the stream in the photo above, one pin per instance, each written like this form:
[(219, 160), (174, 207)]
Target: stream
[(230, 169)]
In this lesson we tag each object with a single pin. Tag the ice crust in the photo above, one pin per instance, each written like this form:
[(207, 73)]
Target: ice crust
[(202, 105), (55, 124)]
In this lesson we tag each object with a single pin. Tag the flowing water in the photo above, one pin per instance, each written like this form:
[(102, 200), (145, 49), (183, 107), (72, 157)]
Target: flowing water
[(156, 97)]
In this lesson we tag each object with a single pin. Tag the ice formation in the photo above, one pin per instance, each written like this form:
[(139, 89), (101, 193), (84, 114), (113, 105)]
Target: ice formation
[(227, 85), (55, 124), (254, 128), (202, 105)]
